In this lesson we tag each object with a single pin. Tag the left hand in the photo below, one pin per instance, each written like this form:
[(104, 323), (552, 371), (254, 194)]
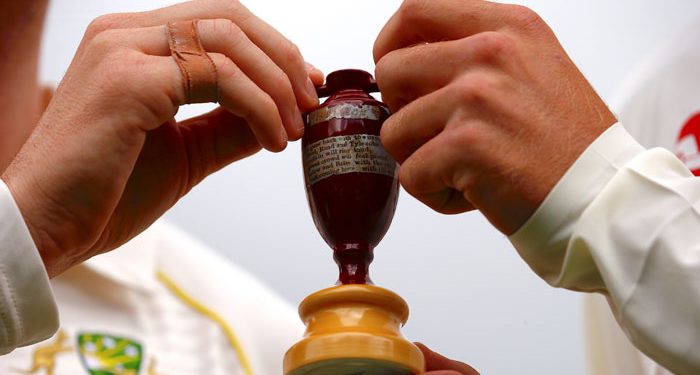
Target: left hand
[(490, 111), (107, 157), (436, 364)]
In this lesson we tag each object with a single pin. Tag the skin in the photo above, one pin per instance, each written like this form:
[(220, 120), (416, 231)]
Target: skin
[(102, 160), (501, 120), (495, 126), (437, 364), (20, 93), (77, 203)]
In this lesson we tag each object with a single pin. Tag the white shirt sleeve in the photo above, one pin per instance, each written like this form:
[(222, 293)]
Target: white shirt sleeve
[(28, 312), (625, 221)]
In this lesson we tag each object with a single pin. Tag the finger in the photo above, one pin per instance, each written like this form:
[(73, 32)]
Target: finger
[(165, 90), (237, 93), (315, 74), (204, 144), (408, 73), (284, 53), (473, 95), (452, 155), (223, 36), (413, 125), (425, 21), (437, 362), (240, 95), (429, 175)]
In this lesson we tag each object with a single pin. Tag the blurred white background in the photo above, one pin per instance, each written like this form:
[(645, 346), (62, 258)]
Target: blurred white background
[(478, 302)]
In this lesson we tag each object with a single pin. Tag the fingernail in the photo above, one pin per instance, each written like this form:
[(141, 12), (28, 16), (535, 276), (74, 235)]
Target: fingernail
[(311, 92), (301, 119), (298, 124), (284, 137)]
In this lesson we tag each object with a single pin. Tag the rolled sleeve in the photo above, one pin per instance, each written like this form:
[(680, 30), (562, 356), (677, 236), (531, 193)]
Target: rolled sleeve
[(28, 311), (625, 221), (544, 239)]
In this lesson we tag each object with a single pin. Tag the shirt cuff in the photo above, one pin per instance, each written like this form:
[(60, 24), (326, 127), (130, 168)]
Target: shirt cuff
[(28, 311), (542, 241)]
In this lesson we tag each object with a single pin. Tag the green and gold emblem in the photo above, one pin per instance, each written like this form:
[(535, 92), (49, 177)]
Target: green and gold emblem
[(103, 354)]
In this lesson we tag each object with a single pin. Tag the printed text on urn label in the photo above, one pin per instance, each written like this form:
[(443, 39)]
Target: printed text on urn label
[(347, 154)]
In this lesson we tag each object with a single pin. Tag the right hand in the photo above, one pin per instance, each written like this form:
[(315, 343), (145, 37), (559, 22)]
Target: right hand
[(436, 364), (489, 111), (107, 157)]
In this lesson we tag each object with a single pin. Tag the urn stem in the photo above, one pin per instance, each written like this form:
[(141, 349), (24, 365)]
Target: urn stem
[(353, 261)]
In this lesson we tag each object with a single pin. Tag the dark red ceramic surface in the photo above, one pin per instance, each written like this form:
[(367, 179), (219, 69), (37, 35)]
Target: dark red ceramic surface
[(352, 211)]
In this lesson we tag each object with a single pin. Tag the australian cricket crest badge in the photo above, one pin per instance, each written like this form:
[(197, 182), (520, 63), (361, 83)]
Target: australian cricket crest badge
[(104, 354)]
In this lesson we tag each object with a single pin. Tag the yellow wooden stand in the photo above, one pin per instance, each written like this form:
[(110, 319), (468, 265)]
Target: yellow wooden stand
[(353, 329)]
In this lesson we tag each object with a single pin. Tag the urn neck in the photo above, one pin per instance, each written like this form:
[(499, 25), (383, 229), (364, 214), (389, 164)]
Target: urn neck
[(348, 79)]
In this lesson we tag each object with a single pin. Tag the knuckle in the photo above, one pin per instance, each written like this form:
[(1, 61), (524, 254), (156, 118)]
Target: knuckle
[(390, 82), (526, 18), (117, 78), (119, 68), (387, 135), (418, 181), (464, 182), (225, 31), (105, 43), (396, 102), (104, 23), (233, 9), (267, 105), (291, 52), (223, 28), (468, 89), (408, 176), (383, 69), (261, 110), (412, 10), (493, 45), (226, 69), (99, 25), (232, 6), (280, 83), (463, 135), (476, 88)]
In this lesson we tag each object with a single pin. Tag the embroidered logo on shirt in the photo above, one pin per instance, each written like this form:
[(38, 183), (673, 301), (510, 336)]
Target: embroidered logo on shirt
[(44, 357), (687, 148), (109, 355)]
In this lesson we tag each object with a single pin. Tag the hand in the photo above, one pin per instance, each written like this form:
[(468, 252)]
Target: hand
[(107, 158), (490, 112), (438, 365)]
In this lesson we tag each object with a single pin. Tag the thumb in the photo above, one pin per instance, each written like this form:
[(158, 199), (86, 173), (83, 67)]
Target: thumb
[(215, 140)]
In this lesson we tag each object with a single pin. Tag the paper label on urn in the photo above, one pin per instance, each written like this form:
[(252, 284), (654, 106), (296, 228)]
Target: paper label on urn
[(345, 111), (358, 153)]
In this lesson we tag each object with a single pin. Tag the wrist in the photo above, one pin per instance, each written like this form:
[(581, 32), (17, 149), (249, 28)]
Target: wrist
[(21, 192), (544, 240)]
